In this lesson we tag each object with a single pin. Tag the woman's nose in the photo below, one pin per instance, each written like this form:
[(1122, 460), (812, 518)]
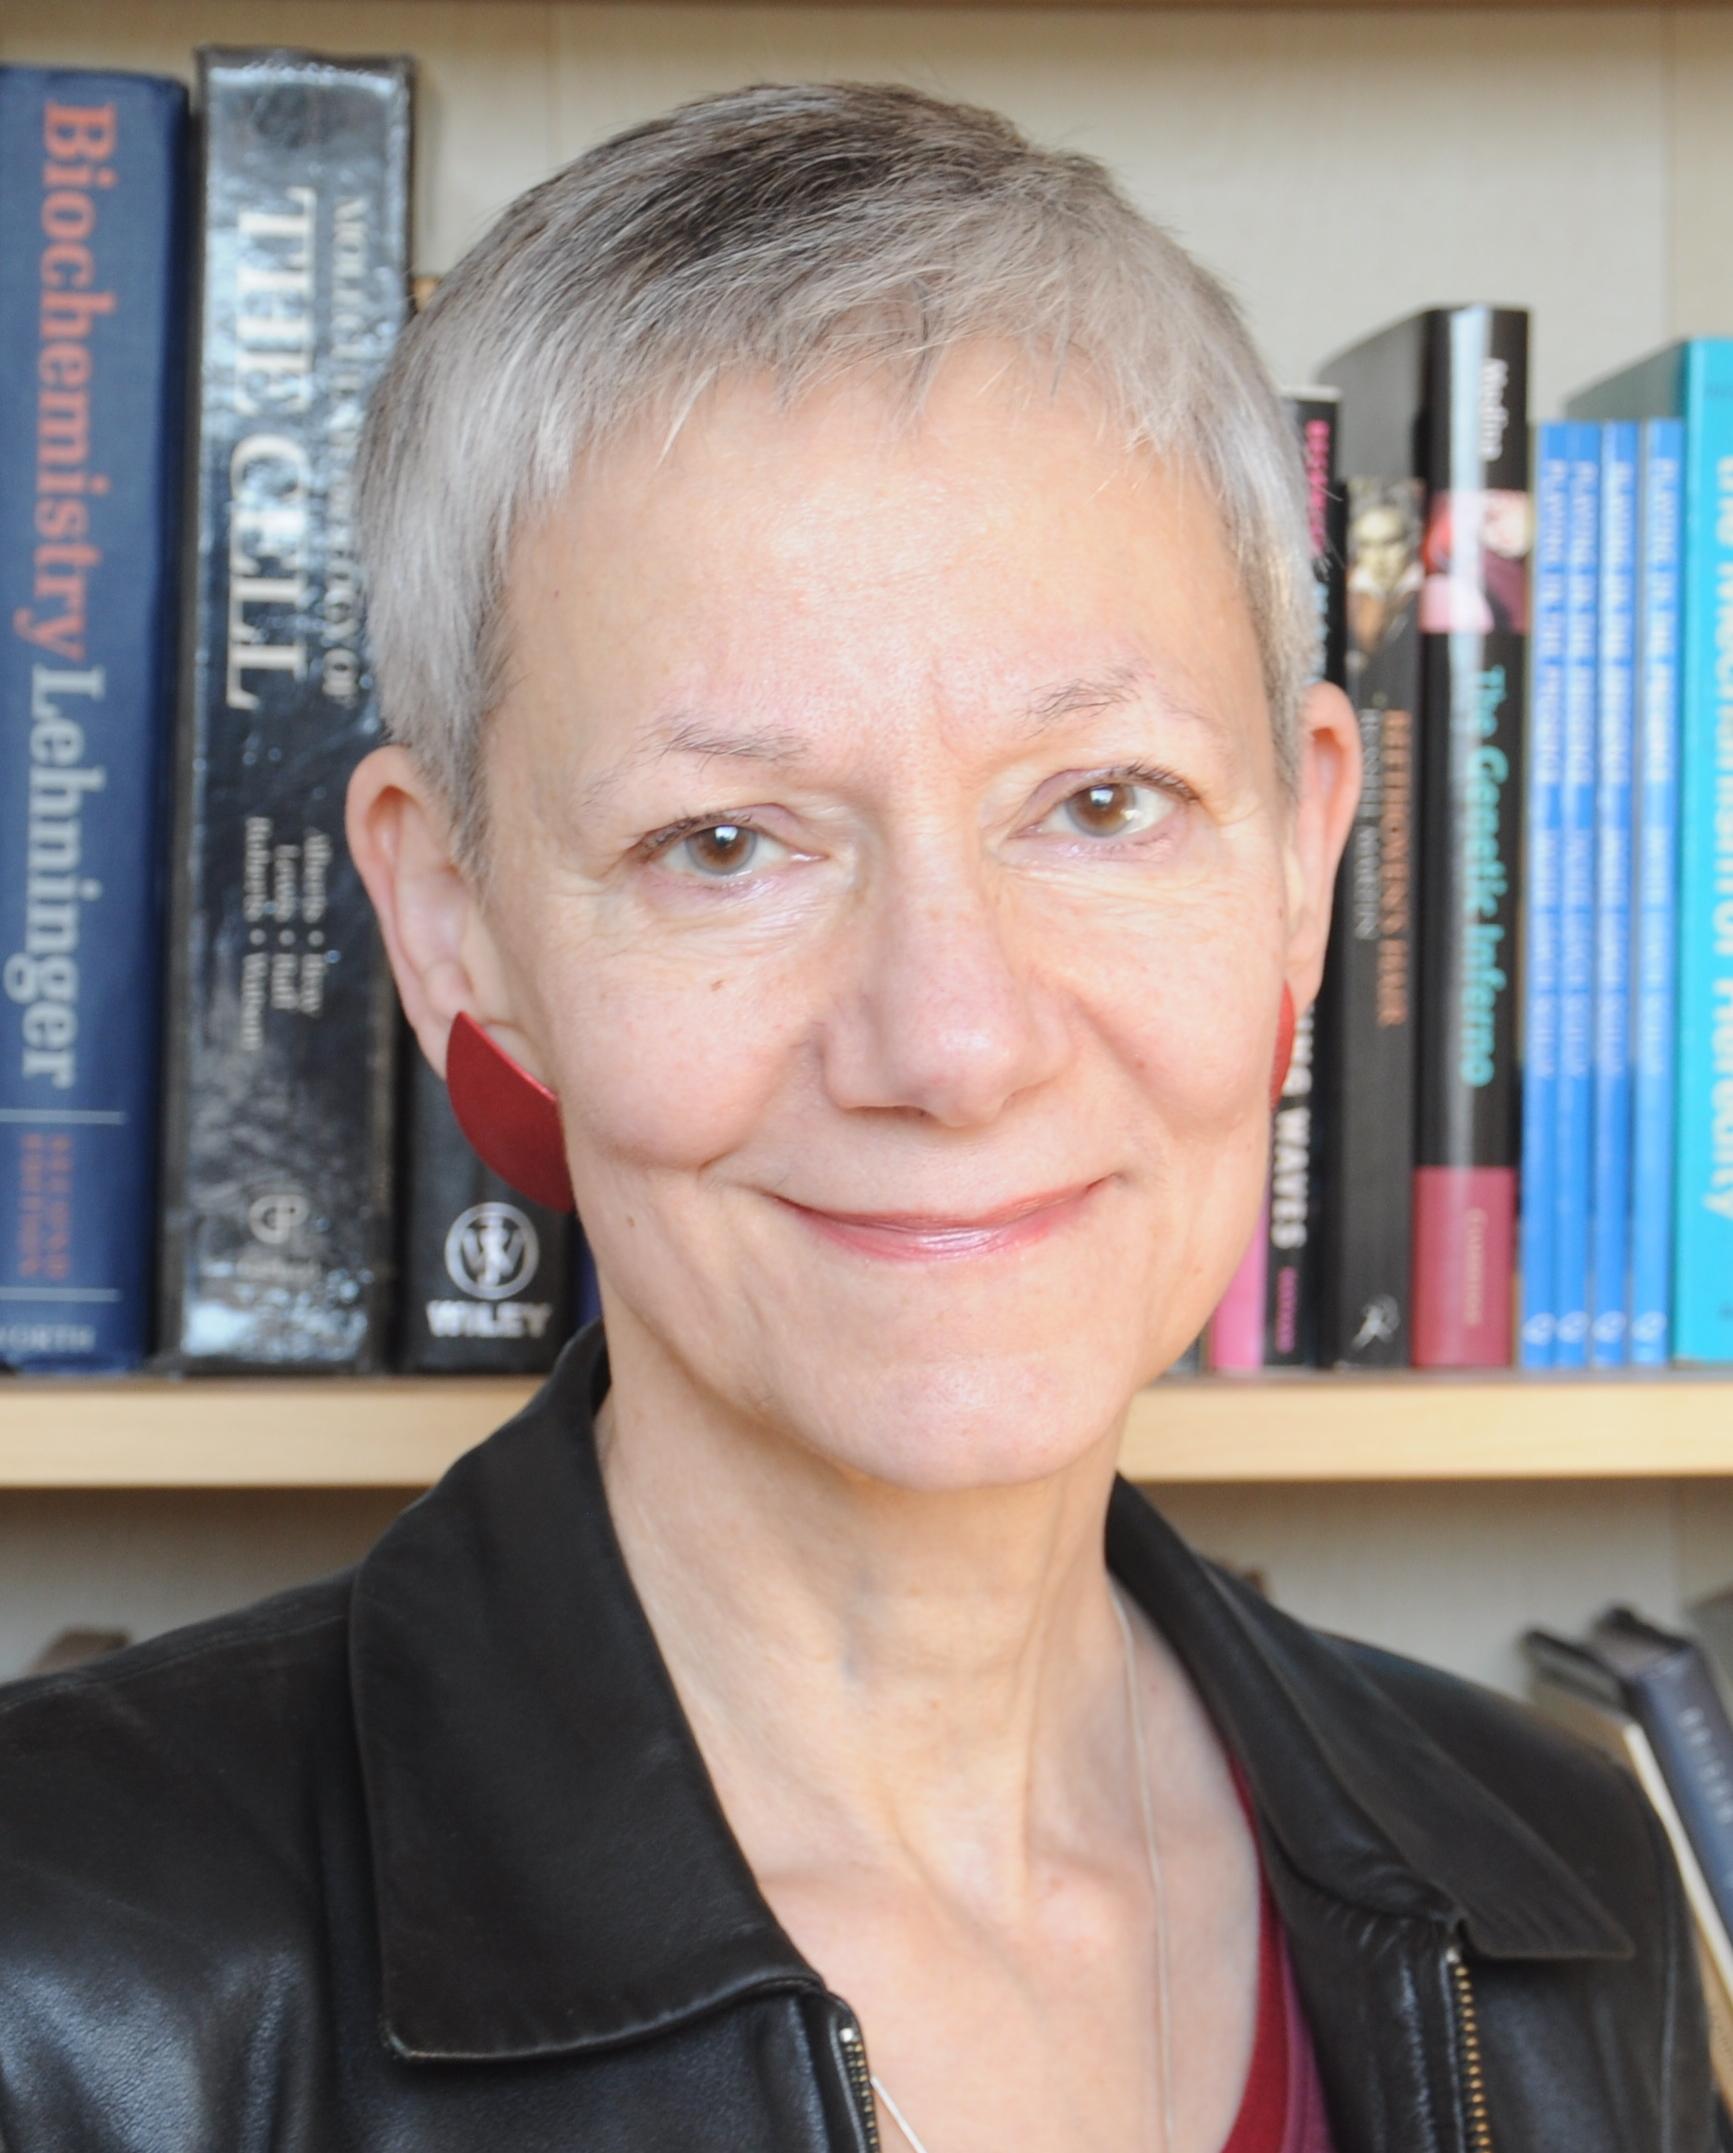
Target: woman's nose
[(945, 1006)]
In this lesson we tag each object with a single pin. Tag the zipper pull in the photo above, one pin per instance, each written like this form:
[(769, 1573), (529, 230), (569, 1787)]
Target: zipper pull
[(860, 2078), (1468, 2036)]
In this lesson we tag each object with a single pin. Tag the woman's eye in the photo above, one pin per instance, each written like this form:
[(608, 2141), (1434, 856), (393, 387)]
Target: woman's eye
[(721, 850), (1116, 807)]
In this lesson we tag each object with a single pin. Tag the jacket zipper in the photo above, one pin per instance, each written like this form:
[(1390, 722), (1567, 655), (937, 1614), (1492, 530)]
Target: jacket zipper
[(860, 2080), (1473, 2069)]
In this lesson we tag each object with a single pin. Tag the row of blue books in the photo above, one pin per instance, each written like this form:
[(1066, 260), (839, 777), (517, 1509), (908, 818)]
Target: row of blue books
[(1627, 1212)]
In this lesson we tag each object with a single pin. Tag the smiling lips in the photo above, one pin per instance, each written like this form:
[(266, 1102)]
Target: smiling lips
[(923, 1237)]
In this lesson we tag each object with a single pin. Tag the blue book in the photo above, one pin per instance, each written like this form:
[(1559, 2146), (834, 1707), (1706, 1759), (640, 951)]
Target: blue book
[(1537, 1335), (1660, 530), (1615, 705), (92, 252), (1693, 381), (1575, 1154)]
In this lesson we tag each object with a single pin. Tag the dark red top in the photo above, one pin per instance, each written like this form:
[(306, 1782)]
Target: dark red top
[(1282, 2108)]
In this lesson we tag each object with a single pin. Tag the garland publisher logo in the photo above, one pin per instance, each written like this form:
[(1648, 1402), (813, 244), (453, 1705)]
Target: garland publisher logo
[(279, 1220), (284, 1241), (491, 1251)]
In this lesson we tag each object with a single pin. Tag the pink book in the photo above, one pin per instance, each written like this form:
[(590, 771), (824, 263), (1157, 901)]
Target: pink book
[(1236, 1330)]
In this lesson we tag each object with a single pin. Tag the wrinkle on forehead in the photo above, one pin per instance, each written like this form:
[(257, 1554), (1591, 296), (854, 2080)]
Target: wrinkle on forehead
[(685, 734)]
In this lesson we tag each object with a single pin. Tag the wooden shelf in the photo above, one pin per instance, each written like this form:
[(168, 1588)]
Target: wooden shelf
[(1280, 7), (288, 1432)]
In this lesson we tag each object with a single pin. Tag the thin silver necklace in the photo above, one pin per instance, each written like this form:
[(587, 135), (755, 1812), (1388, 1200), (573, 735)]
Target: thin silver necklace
[(1134, 1712)]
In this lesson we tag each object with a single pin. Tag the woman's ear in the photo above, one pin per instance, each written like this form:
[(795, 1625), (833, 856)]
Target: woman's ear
[(1323, 814), (442, 952)]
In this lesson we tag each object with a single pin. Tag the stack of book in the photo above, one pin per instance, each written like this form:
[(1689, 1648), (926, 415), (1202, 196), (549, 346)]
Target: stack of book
[(1629, 1244), (213, 1152), (1507, 1135)]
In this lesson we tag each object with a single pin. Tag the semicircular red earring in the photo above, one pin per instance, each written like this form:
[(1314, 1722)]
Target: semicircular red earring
[(511, 1118), (1285, 1021)]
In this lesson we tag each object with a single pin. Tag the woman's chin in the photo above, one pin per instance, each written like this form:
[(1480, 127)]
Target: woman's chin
[(977, 1421)]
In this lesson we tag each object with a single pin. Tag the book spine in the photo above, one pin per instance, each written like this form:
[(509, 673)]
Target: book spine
[(1290, 1287), (276, 1237), (1367, 1033), (1676, 1703), (1474, 640), (1617, 1735), (1291, 1262), (486, 1281), (1537, 1332), (1576, 902), (1660, 510), (1615, 706), (1703, 1278), (92, 258)]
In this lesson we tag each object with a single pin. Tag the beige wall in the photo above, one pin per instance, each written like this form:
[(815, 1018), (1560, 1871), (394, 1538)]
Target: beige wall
[(1339, 169)]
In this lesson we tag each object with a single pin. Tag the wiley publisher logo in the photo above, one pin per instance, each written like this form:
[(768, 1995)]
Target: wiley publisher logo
[(491, 1251)]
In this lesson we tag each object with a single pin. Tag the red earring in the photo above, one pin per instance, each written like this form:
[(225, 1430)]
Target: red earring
[(1284, 1046), (512, 1121)]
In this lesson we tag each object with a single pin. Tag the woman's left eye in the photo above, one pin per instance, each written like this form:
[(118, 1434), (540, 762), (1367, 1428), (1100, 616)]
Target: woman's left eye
[(1116, 807)]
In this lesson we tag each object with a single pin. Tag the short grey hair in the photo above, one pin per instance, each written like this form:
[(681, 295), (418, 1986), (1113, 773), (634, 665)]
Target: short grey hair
[(800, 231)]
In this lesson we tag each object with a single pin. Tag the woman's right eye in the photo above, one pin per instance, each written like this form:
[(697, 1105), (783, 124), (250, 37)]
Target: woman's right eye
[(720, 851)]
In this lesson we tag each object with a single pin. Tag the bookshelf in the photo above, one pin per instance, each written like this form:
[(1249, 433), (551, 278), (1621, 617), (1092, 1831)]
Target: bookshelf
[(1252, 6), (1340, 166), (1297, 1429)]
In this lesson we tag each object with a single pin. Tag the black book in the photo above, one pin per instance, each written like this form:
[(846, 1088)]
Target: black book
[(276, 1243), (1291, 1271), (486, 1277), (1662, 1679), (1364, 1059), (1443, 399)]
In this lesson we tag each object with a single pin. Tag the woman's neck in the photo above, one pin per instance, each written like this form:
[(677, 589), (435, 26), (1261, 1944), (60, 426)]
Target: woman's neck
[(876, 1674)]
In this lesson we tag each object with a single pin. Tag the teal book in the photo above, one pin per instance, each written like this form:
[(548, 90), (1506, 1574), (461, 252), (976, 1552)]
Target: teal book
[(1693, 381)]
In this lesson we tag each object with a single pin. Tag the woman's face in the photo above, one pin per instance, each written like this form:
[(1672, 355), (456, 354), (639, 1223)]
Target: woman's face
[(895, 885)]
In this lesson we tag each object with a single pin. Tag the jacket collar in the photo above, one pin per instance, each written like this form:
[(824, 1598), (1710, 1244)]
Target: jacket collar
[(554, 1871)]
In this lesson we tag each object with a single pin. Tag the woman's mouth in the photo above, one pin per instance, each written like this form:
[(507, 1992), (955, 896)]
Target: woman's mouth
[(931, 1237)]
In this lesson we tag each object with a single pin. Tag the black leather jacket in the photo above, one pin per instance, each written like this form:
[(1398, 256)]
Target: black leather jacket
[(424, 1859)]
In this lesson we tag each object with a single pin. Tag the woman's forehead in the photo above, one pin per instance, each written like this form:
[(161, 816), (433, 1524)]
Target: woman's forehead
[(1002, 543)]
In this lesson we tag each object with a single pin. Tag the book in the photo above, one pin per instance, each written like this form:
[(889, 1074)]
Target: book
[(1665, 1682), (1544, 766), (1289, 1285), (1693, 381), (1615, 725), (1656, 873), (1711, 1619), (1574, 1159), (92, 309), (1616, 1734), (276, 1246), (1296, 1135), (485, 1276), (1364, 1046), (1443, 395)]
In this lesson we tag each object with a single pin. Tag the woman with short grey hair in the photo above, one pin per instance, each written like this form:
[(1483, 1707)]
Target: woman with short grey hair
[(858, 823)]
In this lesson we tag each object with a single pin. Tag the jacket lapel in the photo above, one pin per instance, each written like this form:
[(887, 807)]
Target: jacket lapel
[(1361, 1800), (554, 1872)]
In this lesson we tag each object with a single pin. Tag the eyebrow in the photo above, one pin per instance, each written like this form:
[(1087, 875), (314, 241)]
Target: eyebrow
[(1083, 698), (1092, 696), (692, 737), (676, 735)]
